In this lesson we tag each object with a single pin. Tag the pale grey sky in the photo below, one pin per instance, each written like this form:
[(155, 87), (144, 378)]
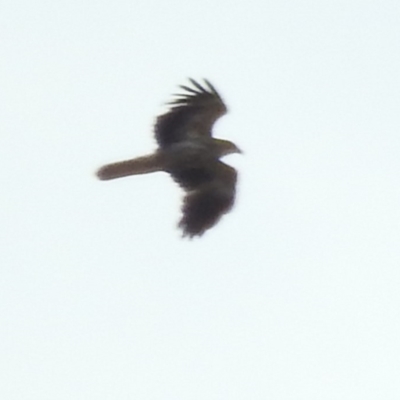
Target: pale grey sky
[(293, 296)]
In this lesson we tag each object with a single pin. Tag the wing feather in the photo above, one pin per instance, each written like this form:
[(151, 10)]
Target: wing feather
[(204, 206), (192, 114)]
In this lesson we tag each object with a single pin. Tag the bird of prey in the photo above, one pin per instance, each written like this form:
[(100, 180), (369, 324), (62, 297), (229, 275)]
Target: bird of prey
[(188, 152)]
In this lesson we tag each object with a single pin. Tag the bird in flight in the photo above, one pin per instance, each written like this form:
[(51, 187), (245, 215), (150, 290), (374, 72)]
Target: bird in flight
[(191, 155)]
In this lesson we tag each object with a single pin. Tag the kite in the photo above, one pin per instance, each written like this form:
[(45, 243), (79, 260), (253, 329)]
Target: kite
[(188, 152)]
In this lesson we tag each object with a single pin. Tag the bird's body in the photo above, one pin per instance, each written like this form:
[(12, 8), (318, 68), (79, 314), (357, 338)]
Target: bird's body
[(189, 153)]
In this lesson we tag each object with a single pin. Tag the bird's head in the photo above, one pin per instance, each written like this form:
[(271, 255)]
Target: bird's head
[(226, 147)]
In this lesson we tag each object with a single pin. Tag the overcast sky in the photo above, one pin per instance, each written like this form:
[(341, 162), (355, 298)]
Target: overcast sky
[(293, 296)]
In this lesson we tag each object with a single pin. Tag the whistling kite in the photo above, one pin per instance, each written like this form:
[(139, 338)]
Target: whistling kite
[(189, 153)]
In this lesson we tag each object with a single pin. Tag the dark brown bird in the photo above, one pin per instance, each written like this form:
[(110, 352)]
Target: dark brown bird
[(189, 153)]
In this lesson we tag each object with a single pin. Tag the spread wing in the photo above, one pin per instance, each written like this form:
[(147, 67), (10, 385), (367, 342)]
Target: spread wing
[(205, 205), (192, 114)]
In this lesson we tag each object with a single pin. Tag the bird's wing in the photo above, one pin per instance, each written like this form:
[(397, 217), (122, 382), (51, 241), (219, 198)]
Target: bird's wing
[(192, 114), (204, 206)]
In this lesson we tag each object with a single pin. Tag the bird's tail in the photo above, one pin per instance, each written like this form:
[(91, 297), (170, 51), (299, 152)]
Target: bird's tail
[(136, 166)]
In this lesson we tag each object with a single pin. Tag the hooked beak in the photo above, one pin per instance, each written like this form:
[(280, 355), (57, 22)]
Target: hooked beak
[(239, 151)]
